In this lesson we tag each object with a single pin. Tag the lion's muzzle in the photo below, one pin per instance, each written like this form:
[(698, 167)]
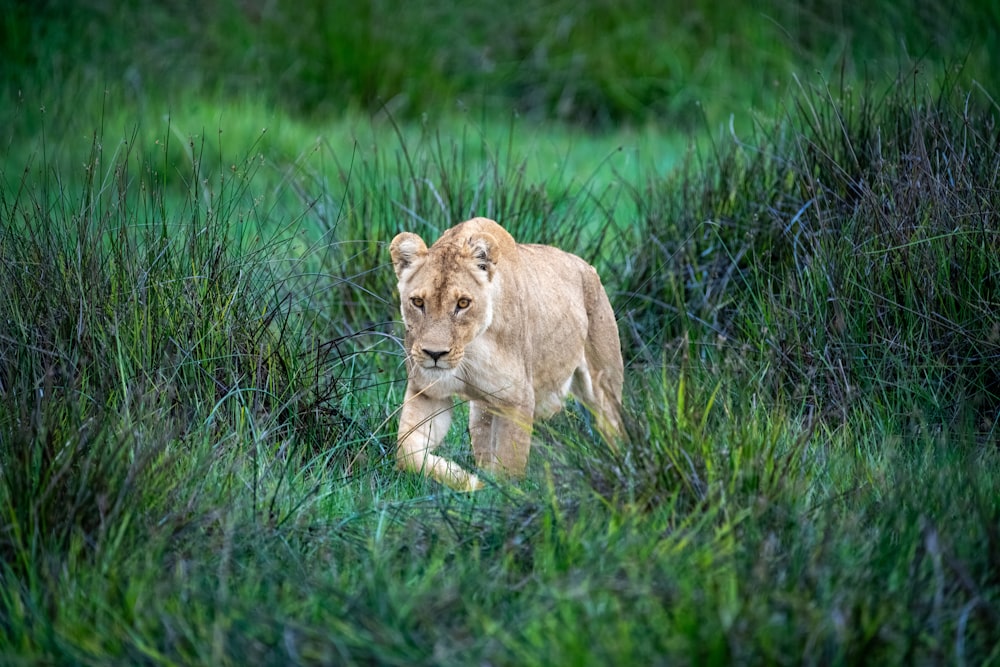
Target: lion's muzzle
[(434, 358)]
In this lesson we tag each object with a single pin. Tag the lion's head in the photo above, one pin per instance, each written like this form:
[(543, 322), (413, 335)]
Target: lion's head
[(446, 295)]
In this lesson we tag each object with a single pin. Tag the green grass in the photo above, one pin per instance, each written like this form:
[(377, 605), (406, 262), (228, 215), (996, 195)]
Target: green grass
[(200, 371), (198, 416)]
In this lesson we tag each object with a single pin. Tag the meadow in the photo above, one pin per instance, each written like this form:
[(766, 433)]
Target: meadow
[(794, 209)]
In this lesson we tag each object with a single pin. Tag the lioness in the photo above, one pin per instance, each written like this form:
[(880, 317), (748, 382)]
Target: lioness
[(513, 328)]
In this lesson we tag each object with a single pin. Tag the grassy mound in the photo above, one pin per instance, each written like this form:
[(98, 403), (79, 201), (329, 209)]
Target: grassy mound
[(852, 250)]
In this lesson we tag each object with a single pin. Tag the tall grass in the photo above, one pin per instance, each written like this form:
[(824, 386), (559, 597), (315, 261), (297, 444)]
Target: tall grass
[(197, 407), (851, 249), (150, 363)]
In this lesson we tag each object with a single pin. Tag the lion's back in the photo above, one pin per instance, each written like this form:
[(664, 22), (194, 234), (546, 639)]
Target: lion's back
[(569, 321)]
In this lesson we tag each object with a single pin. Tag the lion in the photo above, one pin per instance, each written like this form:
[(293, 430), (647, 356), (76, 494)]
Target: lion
[(513, 329)]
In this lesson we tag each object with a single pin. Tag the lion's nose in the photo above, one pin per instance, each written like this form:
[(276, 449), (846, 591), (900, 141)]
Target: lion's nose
[(435, 354)]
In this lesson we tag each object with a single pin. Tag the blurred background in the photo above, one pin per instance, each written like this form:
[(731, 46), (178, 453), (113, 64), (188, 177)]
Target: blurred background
[(592, 63)]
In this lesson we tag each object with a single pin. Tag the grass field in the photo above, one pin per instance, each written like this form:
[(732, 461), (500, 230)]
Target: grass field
[(796, 219)]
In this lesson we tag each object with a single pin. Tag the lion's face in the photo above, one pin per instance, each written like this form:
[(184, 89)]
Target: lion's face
[(446, 297)]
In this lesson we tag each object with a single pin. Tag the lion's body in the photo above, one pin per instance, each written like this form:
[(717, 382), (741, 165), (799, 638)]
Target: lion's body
[(512, 328)]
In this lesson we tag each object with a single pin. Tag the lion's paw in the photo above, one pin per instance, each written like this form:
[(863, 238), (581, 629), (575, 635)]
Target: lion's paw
[(473, 483)]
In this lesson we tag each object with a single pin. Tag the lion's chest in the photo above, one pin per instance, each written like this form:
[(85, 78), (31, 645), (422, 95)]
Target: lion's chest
[(502, 378), (484, 374)]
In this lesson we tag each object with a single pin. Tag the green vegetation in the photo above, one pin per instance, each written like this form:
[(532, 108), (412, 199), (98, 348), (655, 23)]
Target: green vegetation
[(199, 373)]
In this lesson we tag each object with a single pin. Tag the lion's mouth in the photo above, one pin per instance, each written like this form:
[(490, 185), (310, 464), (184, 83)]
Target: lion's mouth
[(435, 366), (439, 363)]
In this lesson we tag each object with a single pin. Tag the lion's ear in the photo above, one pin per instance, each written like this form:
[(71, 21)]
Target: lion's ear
[(485, 252), (404, 249)]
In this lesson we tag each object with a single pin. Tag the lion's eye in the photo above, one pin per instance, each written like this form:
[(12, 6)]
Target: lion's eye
[(417, 302), (464, 303)]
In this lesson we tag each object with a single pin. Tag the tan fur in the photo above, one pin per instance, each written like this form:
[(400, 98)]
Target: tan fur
[(513, 329)]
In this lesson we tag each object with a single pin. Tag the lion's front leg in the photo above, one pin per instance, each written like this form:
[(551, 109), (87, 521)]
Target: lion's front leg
[(423, 424), (500, 440), (481, 432)]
